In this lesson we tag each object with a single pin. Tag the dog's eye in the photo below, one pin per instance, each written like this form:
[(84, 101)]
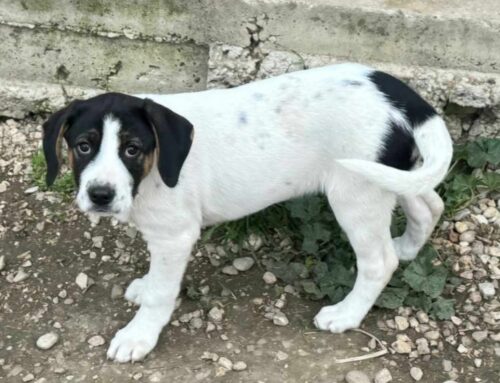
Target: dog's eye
[(131, 151), (84, 148)]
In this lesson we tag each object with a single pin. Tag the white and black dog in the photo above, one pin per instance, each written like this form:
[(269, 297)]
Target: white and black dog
[(173, 164)]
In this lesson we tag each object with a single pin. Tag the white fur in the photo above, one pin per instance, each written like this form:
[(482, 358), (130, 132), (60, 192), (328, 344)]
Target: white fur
[(107, 169), (266, 142)]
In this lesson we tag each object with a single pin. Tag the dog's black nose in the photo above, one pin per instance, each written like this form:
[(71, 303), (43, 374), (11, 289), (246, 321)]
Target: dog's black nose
[(101, 195)]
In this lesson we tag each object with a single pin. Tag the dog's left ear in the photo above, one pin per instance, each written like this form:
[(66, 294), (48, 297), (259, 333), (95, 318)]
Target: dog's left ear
[(174, 135), (53, 132)]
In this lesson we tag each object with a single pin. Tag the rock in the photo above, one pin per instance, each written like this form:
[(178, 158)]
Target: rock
[(478, 362), (401, 323), (20, 276), (96, 341), (479, 336), (216, 314), (490, 212), (402, 345), (230, 270), (461, 227), (210, 356), (487, 289), (468, 236), (280, 319), (432, 335), (156, 377), (239, 366), (269, 278), (356, 376), (383, 376), (447, 366), (226, 363), (210, 327), (422, 317), (243, 263), (423, 346), (82, 281), (47, 341), (31, 190), (281, 356), (3, 186), (254, 242), (462, 349), (116, 292), (196, 323), (2, 262), (28, 377), (416, 373)]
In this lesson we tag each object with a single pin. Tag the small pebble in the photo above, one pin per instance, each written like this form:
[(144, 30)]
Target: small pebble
[(280, 319), (487, 289), (47, 341), (479, 336), (461, 227), (243, 263), (2, 262), (468, 236), (239, 366), (269, 278), (226, 363), (383, 376), (96, 341), (230, 270), (356, 376), (401, 323), (82, 281), (416, 373), (20, 276), (216, 314), (28, 377)]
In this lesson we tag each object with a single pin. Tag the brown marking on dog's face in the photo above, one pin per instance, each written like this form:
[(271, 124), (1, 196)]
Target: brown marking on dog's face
[(148, 162)]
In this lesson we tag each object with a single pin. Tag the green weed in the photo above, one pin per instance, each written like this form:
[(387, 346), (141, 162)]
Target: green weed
[(64, 183)]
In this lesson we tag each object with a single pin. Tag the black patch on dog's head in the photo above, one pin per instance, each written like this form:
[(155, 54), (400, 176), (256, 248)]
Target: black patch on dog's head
[(402, 97), (146, 128)]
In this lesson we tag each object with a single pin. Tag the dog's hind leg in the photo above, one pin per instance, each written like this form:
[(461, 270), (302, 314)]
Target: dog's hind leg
[(422, 214), (364, 212)]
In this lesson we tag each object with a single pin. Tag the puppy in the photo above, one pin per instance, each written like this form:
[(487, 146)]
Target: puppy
[(172, 164)]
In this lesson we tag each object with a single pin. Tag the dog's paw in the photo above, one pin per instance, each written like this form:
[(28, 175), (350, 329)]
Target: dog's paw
[(338, 318), (135, 290), (132, 343)]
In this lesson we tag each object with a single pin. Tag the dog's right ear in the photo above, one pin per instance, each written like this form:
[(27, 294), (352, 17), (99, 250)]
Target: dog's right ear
[(53, 132)]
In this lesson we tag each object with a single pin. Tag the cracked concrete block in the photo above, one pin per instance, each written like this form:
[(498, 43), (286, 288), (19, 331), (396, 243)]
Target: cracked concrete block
[(119, 64)]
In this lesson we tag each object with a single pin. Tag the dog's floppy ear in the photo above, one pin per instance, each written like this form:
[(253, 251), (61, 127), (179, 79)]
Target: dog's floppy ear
[(174, 135), (53, 132)]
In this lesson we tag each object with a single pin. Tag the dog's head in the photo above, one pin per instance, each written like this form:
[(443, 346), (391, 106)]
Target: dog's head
[(114, 140)]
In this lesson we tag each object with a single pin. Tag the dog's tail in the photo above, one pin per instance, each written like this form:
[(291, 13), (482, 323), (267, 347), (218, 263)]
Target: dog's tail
[(435, 146)]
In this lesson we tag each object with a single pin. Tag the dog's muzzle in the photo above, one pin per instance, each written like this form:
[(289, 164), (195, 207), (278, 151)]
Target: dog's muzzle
[(101, 196)]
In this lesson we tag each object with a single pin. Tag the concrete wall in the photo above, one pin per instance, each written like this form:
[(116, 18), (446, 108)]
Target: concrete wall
[(55, 50)]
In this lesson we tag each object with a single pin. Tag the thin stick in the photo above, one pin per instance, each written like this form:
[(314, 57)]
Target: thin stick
[(371, 355)]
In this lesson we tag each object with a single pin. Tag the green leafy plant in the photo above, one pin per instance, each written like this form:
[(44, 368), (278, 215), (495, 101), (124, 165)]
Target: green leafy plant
[(469, 174), (64, 184)]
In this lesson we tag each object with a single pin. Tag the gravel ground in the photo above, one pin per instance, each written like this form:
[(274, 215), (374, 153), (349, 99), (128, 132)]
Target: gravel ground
[(62, 280)]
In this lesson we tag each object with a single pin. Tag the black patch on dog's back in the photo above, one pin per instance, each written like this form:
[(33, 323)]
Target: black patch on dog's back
[(402, 97), (398, 148)]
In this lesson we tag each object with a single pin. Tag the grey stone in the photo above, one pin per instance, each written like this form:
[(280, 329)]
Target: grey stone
[(383, 376), (243, 263), (47, 341), (487, 289), (356, 376)]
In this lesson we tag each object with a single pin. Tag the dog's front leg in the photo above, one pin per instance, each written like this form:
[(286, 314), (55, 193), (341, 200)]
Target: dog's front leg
[(157, 295)]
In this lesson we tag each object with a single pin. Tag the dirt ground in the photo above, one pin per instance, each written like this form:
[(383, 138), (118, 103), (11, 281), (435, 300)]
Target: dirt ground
[(45, 237)]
